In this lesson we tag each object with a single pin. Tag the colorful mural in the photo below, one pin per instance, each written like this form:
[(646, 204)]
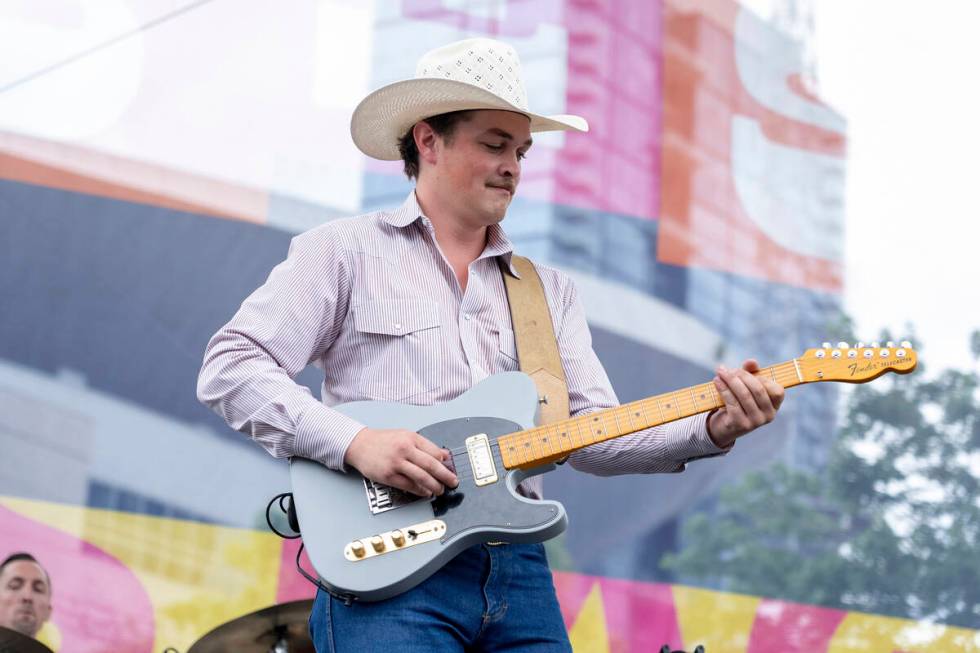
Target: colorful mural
[(155, 160), (173, 580)]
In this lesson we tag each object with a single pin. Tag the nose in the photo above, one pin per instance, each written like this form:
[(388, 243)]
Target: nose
[(510, 167)]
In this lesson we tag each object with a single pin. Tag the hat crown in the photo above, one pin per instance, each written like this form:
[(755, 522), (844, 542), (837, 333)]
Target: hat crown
[(484, 63)]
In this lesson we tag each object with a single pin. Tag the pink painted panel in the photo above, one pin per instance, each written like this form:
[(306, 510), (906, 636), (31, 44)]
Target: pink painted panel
[(99, 604)]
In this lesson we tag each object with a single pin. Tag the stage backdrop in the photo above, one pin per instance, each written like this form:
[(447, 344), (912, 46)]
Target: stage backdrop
[(155, 159)]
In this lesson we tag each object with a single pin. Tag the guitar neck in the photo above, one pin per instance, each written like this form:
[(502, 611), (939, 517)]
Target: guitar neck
[(551, 442)]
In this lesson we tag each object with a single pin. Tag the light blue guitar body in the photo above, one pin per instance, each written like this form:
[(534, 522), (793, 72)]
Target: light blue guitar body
[(338, 510)]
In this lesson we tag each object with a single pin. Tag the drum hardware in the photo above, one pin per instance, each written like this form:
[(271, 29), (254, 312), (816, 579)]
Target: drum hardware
[(280, 628)]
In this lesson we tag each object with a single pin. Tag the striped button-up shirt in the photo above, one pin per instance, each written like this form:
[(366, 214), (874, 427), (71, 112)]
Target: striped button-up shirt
[(372, 301)]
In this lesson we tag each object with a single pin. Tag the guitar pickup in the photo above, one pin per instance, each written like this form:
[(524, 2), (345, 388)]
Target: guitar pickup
[(481, 459)]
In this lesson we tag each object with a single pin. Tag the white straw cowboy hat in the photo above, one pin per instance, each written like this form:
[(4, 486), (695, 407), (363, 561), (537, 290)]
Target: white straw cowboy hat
[(470, 74)]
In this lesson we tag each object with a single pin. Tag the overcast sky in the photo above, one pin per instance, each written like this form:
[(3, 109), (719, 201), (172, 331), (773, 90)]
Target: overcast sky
[(904, 75)]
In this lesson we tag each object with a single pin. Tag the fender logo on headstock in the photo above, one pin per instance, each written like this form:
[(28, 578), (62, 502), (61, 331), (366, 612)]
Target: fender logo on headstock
[(871, 367)]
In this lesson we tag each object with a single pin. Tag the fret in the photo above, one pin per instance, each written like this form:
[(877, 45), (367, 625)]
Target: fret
[(543, 439), (694, 400), (672, 403), (706, 400), (566, 441), (515, 446), (662, 418), (629, 416), (636, 409), (592, 433)]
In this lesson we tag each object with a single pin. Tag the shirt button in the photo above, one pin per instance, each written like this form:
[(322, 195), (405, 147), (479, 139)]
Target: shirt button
[(398, 327), (466, 316)]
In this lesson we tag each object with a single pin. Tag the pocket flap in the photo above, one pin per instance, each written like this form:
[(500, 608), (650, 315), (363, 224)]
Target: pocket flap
[(396, 317)]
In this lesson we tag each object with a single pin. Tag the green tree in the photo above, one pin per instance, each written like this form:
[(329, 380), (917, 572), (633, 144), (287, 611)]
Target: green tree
[(892, 526)]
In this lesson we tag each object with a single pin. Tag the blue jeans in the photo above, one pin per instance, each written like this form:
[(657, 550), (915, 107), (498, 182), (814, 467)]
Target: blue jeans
[(488, 598)]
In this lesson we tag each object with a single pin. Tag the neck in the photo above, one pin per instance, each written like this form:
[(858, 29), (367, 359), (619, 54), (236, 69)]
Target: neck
[(551, 442), (460, 241)]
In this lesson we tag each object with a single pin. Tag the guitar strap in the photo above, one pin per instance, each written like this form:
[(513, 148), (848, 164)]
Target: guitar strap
[(534, 334)]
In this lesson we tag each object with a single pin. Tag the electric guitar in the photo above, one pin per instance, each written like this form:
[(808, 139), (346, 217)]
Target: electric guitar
[(368, 541)]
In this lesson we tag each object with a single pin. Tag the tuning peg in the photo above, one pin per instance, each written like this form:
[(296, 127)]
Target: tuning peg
[(890, 344), (875, 345), (842, 345), (826, 345), (906, 344), (859, 345)]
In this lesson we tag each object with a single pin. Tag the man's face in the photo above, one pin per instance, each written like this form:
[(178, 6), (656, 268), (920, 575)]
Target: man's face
[(479, 168), (25, 597)]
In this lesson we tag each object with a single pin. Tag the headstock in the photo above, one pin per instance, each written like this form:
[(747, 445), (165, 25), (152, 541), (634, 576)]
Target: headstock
[(857, 364)]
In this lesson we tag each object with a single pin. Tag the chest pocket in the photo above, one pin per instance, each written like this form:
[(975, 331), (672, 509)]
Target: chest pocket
[(401, 346)]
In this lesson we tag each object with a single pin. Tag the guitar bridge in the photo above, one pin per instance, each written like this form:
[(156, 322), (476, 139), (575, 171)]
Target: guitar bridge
[(382, 498)]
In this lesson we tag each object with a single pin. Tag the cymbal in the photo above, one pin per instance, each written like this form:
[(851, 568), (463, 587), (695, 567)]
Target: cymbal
[(260, 631), (12, 641)]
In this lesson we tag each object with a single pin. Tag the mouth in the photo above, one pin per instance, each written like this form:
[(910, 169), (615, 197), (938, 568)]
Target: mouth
[(506, 189)]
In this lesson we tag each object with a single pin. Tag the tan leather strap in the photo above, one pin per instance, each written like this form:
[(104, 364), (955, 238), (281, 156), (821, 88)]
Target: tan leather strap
[(534, 333)]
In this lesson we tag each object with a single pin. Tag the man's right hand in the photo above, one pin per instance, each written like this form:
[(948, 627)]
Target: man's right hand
[(401, 459)]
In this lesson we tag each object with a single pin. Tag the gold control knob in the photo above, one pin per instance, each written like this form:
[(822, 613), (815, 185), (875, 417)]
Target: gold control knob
[(398, 538), (378, 543), (357, 548)]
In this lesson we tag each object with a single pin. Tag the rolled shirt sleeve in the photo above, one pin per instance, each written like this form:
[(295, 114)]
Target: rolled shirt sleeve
[(250, 364)]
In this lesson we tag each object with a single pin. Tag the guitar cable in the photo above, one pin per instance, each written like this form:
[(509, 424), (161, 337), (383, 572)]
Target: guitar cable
[(290, 513), (293, 520)]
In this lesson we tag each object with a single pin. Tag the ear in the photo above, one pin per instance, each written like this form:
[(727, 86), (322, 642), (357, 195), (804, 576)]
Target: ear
[(427, 142)]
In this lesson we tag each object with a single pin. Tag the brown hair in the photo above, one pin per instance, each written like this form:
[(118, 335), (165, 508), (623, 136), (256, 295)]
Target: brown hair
[(444, 125)]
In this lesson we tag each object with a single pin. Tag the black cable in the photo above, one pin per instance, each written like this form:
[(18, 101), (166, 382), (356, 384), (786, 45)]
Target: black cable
[(100, 46), (268, 518), (346, 598)]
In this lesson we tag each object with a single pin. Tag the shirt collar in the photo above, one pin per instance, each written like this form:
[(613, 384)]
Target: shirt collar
[(498, 244)]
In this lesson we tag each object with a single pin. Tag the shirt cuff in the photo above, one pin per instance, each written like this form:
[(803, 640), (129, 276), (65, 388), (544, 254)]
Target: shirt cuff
[(688, 440), (323, 435)]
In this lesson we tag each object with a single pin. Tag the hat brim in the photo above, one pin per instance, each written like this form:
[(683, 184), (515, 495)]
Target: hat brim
[(384, 116)]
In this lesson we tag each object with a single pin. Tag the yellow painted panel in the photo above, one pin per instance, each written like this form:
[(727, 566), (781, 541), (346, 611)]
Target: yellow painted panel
[(589, 634), (865, 632), (718, 620), (197, 576)]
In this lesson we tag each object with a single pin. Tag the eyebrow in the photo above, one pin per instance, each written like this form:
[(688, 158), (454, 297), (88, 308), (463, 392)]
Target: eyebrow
[(500, 132)]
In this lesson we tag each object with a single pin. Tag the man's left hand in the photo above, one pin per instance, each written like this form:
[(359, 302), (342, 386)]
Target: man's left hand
[(750, 402)]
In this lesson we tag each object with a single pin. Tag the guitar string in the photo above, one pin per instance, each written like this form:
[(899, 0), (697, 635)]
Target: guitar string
[(684, 401), (784, 373)]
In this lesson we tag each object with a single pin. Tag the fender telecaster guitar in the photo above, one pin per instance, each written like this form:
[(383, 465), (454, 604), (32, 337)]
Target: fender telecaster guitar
[(368, 541)]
